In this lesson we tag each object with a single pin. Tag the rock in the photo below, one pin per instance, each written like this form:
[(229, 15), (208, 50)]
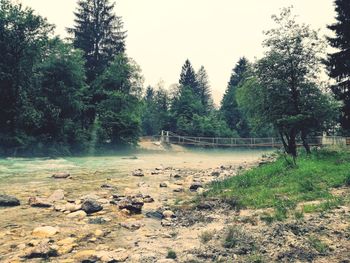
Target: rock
[(160, 168), (97, 221), (166, 222), (8, 201), (91, 206), (134, 205), (71, 207), (108, 186), (179, 190), (45, 231), (163, 185), (61, 175), (78, 214), (168, 214), (39, 202), (57, 195), (147, 199), (131, 226), (98, 233), (86, 256), (177, 176), (113, 256), (155, 172), (215, 173), (156, 215), (101, 256), (138, 173), (166, 260), (195, 185), (42, 250), (66, 245), (89, 196)]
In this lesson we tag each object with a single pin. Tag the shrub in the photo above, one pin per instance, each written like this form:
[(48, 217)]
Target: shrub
[(171, 254), (206, 236)]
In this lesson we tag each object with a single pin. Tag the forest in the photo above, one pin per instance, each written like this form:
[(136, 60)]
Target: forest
[(84, 95)]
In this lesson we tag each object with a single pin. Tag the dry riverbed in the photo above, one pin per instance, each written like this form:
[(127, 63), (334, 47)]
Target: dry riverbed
[(147, 218)]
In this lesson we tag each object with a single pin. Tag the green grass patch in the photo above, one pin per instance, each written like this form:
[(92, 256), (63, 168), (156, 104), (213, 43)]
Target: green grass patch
[(318, 245), (282, 186), (323, 206)]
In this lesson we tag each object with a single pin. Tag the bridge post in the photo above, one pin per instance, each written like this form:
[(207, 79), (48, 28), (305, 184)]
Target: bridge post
[(162, 137), (167, 137)]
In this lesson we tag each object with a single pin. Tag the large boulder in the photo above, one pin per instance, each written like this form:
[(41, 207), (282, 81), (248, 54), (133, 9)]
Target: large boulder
[(91, 206), (8, 201)]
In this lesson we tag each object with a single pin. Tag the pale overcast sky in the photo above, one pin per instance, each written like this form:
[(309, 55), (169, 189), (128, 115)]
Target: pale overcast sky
[(213, 33)]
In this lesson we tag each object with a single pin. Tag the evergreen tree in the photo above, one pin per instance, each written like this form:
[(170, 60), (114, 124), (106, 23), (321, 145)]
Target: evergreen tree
[(338, 63), (99, 33), (188, 78), (229, 107), (204, 90)]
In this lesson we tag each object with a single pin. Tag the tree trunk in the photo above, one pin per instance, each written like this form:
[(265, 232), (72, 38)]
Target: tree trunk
[(305, 143)]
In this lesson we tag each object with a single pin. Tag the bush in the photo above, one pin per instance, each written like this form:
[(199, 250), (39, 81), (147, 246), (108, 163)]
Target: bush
[(206, 236), (171, 254)]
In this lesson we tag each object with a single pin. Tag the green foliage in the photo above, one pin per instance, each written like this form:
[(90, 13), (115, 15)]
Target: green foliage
[(230, 110), (99, 33), (284, 91), (171, 254), (317, 244), (338, 61), (278, 186), (206, 236)]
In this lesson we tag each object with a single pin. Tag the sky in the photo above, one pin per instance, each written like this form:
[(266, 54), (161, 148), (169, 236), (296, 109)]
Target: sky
[(162, 34)]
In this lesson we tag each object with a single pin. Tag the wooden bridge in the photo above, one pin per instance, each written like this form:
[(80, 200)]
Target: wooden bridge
[(172, 138)]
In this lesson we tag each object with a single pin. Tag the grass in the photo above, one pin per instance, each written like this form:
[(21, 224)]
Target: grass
[(318, 245), (206, 236), (282, 186)]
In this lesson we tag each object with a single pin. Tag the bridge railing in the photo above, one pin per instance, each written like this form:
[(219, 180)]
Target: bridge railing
[(173, 138)]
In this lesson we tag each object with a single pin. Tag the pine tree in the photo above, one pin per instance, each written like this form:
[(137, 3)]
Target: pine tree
[(229, 107), (338, 63), (99, 33), (204, 90), (188, 78)]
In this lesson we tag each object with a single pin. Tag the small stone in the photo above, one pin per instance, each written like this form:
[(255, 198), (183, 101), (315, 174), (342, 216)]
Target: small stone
[(78, 214), (138, 173), (134, 205), (131, 226), (39, 202), (166, 222), (168, 214), (194, 186), (179, 190), (91, 206), (8, 201), (98, 233), (163, 185), (57, 195), (45, 231), (61, 175), (72, 207), (86, 256), (215, 173), (113, 256)]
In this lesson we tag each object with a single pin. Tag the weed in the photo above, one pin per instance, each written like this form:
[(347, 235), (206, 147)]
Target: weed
[(255, 258), (206, 236), (171, 254), (298, 215), (267, 218), (318, 245)]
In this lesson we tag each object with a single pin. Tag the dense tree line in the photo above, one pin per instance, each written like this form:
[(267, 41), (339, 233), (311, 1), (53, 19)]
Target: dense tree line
[(84, 94)]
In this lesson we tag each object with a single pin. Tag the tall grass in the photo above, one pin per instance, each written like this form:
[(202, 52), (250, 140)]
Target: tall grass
[(281, 185)]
